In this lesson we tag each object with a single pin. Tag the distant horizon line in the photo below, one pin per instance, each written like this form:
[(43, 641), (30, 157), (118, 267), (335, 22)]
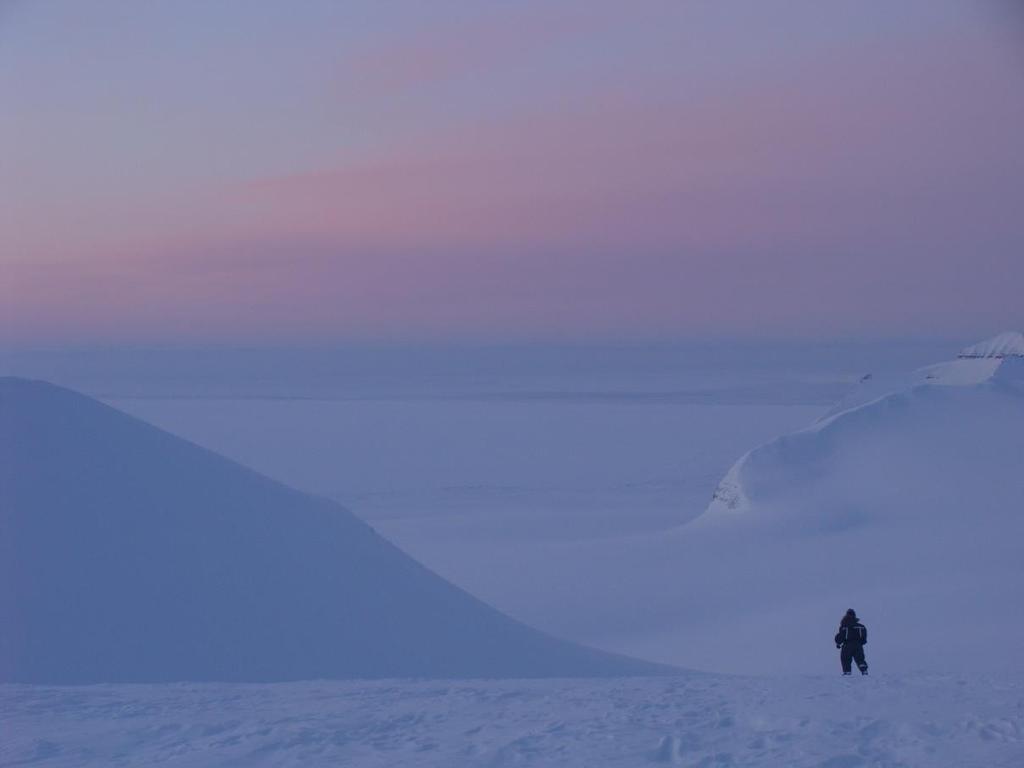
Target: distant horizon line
[(466, 343)]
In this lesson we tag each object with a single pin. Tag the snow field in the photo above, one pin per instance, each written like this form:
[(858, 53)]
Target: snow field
[(929, 720)]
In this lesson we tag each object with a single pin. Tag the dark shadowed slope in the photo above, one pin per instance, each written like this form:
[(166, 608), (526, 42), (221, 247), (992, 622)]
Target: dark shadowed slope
[(127, 554)]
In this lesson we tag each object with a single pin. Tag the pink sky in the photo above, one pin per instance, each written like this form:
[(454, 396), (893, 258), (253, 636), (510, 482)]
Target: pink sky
[(527, 171)]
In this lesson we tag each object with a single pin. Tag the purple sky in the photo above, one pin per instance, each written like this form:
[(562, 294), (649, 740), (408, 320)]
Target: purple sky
[(323, 171)]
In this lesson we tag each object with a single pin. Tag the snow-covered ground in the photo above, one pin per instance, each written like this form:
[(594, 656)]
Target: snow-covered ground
[(569, 511), (524, 504), (904, 504), (928, 721), (567, 503), (519, 475), (130, 555)]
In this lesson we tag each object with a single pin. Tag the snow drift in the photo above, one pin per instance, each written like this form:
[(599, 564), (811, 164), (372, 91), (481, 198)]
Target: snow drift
[(127, 554), (907, 504)]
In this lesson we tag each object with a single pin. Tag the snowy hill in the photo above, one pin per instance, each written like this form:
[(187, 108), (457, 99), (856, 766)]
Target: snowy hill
[(906, 504), (127, 554)]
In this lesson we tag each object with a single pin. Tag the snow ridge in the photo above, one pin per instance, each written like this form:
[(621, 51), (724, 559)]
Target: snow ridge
[(902, 502), (1006, 344), (997, 359)]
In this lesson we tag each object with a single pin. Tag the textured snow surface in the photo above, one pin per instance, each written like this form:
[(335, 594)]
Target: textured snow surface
[(1007, 344), (696, 720)]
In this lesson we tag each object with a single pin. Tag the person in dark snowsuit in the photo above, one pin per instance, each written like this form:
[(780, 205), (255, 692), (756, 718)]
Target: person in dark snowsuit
[(851, 638)]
